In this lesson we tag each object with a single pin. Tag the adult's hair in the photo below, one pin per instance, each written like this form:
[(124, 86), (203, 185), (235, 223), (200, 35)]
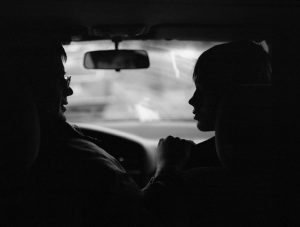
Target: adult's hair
[(234, 63), (34, 59)]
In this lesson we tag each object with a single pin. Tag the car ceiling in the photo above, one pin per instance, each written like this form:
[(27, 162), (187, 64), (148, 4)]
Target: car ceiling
[(162, 19)]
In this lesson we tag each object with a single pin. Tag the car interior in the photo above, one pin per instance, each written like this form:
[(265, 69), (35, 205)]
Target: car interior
[(120, 51)]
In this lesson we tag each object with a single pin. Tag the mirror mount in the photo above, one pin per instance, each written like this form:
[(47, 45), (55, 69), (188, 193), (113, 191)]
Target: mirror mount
[(116, 41)]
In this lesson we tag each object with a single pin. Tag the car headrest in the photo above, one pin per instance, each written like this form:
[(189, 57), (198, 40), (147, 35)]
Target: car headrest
[(19, 126), (247, 128)]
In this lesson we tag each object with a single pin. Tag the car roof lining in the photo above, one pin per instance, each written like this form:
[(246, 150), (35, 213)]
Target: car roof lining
[(164, 19), (158, 32)]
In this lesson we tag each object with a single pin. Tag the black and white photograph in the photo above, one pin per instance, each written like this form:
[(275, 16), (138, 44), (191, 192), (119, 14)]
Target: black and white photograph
[(167, 113)]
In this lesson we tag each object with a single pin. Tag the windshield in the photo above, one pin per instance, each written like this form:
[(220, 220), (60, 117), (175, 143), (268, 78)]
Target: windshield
[(157, 95)]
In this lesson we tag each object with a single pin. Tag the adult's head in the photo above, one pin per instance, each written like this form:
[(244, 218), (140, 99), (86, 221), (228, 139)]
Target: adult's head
[(221, 68), (40, 61)]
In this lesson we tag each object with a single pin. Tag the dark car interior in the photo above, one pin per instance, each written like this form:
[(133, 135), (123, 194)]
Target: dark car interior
[(269, 117)]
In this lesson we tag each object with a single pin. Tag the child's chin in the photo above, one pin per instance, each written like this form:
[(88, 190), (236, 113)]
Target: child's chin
[(205, 127)]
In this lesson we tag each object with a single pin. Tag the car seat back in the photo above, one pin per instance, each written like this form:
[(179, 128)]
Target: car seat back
[(247, 129), (243, 192), (19, 144)]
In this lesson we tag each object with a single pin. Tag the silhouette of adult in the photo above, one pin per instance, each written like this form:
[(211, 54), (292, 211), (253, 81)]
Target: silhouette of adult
[(72, 181)]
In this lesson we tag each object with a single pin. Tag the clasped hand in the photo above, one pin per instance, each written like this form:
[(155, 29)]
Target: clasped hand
[(172, 154)]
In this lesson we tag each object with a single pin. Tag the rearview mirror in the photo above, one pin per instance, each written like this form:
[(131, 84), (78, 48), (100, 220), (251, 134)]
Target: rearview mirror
[(116, 59)]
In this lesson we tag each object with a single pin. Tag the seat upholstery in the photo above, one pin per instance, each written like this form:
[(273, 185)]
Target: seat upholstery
[(20, 128), (19, 118), (246, 128), (19, 147)]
